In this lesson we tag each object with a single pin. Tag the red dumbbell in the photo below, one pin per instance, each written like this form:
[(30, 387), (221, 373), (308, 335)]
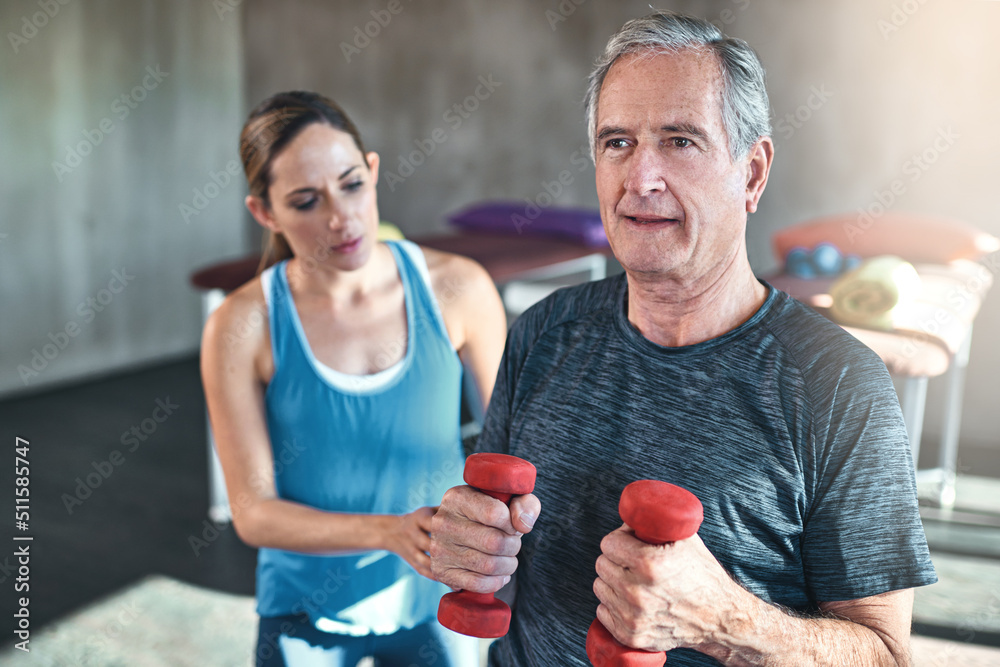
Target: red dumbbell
[(480, 614), (659, 513)]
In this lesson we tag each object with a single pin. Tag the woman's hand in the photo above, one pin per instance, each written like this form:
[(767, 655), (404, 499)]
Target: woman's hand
[(409, 536)]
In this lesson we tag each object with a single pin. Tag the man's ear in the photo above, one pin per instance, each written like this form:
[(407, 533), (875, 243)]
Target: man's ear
[(261, 212), (758, 168), (372, 158)]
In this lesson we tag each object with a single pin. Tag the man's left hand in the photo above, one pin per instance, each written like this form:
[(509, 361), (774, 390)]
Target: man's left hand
[(660, 597)]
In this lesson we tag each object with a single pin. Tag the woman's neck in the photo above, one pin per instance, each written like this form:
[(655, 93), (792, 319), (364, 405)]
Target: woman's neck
[(313, 279)]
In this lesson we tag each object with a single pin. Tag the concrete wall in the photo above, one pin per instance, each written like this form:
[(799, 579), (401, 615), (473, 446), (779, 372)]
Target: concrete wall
[(92, 182), (891, 80)]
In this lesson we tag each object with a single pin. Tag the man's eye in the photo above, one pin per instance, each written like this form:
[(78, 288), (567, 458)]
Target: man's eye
[(306, 205), (681, 142), (615, 143)]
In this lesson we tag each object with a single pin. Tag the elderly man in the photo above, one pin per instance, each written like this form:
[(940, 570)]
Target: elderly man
[(690, 370)]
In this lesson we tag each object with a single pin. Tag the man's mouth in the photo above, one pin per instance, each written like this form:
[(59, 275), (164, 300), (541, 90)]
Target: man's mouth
[(650, 219)]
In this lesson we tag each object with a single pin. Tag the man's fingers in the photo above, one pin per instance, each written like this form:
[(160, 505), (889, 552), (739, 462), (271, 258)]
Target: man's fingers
[(603, 591), (619, 545), (609, 573), (488, 540), (614, 588), (607, 619), (468, 503), (620, 617), (460, 579), (473, 542), (475, 521), (524, 512), (466, 558)]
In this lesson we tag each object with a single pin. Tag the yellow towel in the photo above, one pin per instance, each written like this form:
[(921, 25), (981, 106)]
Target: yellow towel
[(873, 294), (389, 232)]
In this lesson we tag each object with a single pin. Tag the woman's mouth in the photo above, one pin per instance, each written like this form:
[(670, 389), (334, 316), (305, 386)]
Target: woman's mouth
[(348, 246)]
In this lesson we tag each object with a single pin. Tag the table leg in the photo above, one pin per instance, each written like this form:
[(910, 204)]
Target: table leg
[(952, 421), (218, 500), (913, 401)]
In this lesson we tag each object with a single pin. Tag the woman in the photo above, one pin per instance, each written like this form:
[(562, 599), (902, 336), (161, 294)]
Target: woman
[(336, 418)]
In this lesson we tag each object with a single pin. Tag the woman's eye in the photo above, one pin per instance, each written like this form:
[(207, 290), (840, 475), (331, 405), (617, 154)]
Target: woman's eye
[(353, 186), (306, 205)]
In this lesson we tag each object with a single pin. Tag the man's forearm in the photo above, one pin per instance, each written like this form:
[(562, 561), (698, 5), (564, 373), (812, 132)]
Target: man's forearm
[(760, 634)]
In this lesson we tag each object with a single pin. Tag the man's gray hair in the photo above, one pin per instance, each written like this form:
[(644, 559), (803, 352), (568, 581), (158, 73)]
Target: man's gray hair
[(745, 107)]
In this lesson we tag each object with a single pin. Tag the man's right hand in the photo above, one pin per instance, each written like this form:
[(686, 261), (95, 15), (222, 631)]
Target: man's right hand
[(475, 538)]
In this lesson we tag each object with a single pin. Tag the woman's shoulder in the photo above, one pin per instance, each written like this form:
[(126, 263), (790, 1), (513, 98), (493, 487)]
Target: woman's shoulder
[(239, 325), (455, 273), (468, 299)]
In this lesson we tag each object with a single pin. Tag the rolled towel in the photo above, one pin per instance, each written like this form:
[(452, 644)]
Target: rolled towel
[(389, 232), (874, 293)]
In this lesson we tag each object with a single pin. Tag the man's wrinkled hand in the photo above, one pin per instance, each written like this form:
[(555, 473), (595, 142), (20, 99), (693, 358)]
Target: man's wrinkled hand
[(475, 538)]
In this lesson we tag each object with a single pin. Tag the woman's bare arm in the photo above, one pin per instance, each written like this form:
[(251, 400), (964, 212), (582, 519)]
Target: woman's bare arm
[(474, 315), (234, 391)]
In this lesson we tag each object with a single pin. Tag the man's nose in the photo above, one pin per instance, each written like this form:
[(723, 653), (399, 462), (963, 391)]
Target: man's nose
[(646, 171)]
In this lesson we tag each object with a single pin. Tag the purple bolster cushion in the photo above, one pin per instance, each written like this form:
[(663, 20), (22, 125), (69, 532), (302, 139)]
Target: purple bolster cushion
[(581, 225)]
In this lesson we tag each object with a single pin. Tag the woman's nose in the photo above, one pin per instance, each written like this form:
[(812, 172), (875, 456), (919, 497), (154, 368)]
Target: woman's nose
[(336, 214)]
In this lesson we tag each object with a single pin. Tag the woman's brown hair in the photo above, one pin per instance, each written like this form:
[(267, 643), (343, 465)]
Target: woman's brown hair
[(270, 127)]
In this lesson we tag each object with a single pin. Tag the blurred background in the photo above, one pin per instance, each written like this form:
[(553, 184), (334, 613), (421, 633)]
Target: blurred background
[(120, 177)]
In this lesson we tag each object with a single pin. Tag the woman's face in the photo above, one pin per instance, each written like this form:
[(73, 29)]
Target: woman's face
[(322, 198)]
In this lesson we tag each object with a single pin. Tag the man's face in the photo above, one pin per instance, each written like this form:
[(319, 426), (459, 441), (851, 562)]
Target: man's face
[(673, 202)]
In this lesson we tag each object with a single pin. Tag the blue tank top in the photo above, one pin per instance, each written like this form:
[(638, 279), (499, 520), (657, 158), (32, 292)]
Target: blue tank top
[(352, 447)]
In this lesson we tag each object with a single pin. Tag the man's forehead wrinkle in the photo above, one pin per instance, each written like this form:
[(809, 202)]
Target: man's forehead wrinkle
[(680, 60), (688, 110), (699, 53)]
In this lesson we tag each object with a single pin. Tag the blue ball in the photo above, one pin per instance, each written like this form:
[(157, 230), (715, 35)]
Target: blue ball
[(827, 259), (852, 262), (798, 264)]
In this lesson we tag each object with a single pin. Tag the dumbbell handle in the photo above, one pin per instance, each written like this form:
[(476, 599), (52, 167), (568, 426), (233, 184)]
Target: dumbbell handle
[(481, 614), (659, 513), (499, 495)]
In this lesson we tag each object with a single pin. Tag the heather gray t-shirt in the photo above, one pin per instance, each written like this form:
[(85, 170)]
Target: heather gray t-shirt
[(787, 428)]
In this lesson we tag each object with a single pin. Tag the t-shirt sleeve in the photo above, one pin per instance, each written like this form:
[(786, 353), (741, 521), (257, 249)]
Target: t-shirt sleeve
[(862, 533), (495, 436), (513, 382)]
